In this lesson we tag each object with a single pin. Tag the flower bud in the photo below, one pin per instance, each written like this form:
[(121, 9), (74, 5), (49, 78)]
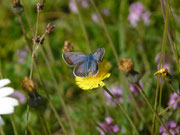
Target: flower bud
[(68, 47), (40, 6), (38, 40), (35, 100), (50, 28), (133, 77), (126, 65), (17, 7), (28, 85)]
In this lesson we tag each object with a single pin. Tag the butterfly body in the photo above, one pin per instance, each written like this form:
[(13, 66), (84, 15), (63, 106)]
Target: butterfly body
[(84, 64)]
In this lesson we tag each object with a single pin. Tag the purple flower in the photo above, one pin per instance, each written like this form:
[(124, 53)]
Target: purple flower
[(172, 127), (173, 98), (106, 12), (108, 127), (134, 89), (22, 54), (137, 12), (19, 96), (82, 3), (95, 17), (117, 92)]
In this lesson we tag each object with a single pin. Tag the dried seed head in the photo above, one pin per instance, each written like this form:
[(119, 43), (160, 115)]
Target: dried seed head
[(40, 6), (68, 47), (17, 7), (50, 28), (28, 85), (38, 40), (126, 65)]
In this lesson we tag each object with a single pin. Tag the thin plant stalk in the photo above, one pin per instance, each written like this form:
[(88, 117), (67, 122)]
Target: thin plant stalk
[(88, 114), (161, 65), (155, 104), (169, 107), (123, 110), (37, 24), (163, 55), (169, 35), (45, 124), (149, 104), (173, 89), (27, 118), (176, 48), (14, 125), (83, 26), (2, 131), (106, 31)]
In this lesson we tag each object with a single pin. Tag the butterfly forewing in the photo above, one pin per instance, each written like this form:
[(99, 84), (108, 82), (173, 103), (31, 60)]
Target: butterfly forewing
[(98, 54), (73, 58)]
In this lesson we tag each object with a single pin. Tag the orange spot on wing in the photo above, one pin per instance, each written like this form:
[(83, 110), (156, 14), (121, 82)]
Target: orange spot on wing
[(68, 60)]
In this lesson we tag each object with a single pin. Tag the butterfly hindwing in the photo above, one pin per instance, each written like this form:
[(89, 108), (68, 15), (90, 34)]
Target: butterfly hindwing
[(98, 54), (94, 68), (73, 58), (81, 69)]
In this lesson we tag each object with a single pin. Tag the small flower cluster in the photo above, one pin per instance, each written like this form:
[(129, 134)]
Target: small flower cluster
[(95, 17), (173, 98), (108, 127), (173, 128), (137, 12), (82, 3)]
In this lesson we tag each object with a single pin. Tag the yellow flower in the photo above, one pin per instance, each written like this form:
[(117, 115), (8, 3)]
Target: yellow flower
[(91, 82), (162, 71)]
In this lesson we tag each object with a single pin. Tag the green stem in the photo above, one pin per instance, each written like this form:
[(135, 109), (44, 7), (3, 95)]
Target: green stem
[(2, 131), (162, 58), (37, 23), (14, 125), (88, 114), (106, 31), (83, 26), (123, 110), (155, 104), (27, 118), (45, 124), (148, 103), (169, 107)]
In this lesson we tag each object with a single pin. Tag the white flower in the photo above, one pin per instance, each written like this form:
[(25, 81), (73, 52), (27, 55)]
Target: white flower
[(7, 104)]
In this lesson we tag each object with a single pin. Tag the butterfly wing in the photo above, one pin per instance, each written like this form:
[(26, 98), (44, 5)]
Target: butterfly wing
[(81, 69), (98, 54), (93, 68), (73, 58)]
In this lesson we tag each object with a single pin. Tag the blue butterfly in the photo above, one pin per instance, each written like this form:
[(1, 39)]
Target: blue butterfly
[(84, 64)]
